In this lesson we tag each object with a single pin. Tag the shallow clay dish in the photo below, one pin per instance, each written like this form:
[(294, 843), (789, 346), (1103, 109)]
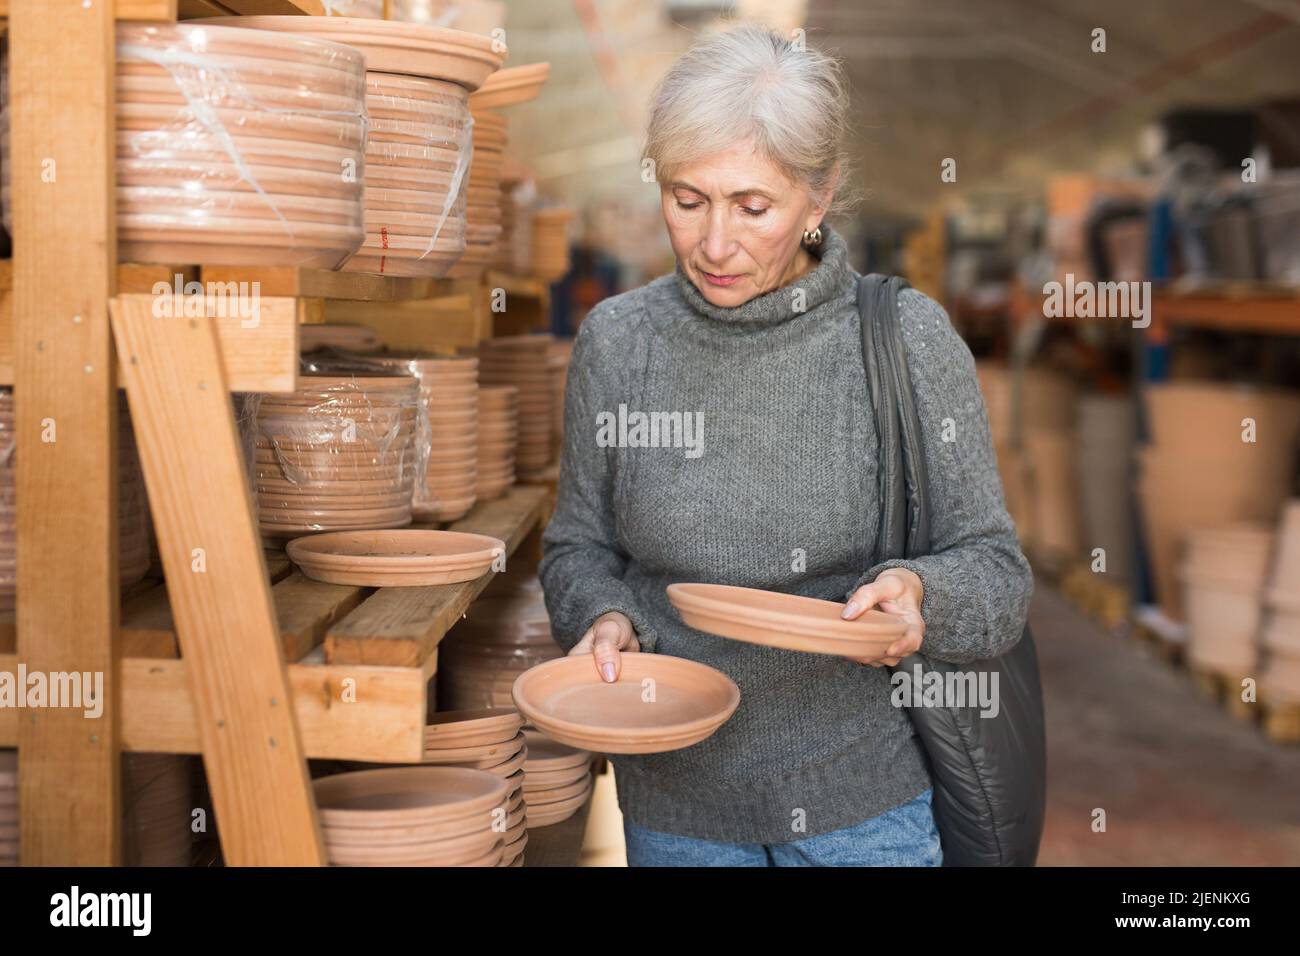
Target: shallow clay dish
[(406, 558), (780, 620), (489, 755), (468, 728), (404, 796), (567, 700)]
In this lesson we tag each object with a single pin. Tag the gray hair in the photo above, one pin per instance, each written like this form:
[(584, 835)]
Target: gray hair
[(751, 84)]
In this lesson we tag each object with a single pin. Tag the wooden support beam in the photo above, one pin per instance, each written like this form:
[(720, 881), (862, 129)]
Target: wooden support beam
[(61, 66), (217, 580), (344, 712)]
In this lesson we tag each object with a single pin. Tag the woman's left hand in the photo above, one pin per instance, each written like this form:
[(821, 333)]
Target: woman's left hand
[(895, 591)]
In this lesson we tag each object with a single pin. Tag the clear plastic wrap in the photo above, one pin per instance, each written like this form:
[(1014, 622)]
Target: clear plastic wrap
[(134, 550), (238, 147), (418, 154), (344, 452), (449, 390), (483, 216)]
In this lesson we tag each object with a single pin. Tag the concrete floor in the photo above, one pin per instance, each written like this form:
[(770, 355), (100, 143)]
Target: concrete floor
[(1182, 783)]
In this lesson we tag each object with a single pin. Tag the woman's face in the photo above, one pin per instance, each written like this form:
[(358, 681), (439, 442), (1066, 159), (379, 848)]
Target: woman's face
[(736, 222)]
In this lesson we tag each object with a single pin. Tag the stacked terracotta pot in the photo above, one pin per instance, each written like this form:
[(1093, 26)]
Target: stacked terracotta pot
[(524, 362), (8, 807), (557, 780), (490, 740), (449, 389), (483, 222), (1280, 681), (1198, 466), (231, 146), (157, 805), (418, 83), (498, 431), (1223, 577), (1103, 466), (413, 816), (341, 453), (551, 243), (132, 503), (417, 158), (504, 633)]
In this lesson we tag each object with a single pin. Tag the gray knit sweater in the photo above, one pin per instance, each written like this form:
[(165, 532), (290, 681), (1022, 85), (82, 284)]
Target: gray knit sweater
[(783, 497)]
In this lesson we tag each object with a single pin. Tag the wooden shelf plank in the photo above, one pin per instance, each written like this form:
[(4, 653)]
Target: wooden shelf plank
[(1264, 313), (127, 9), (326, 284), (401, 627), (344, 712)]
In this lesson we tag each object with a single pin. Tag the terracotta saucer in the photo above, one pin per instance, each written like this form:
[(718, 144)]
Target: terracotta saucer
[(541, 798), (556, 812), (396, 47), (397, 558), (406, 796), (550, 756), (544, 780), (468, 728), (567, 700), (493, 754), (780, 620), (465, 853), (508, 769)]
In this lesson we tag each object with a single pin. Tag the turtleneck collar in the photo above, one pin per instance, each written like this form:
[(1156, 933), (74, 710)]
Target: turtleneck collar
[(827, 279)]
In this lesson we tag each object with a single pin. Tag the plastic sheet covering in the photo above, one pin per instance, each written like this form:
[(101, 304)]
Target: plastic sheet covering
[(418, 154), (343, 452), (238, 147)]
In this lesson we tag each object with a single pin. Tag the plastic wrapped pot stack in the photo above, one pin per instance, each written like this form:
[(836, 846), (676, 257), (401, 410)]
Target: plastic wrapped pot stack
[(342, 453), (1198, 468), (231, 143), (449, 389)]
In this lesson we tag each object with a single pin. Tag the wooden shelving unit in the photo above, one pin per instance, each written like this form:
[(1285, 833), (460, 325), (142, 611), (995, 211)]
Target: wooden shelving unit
[(1257, 308), (244, 661)]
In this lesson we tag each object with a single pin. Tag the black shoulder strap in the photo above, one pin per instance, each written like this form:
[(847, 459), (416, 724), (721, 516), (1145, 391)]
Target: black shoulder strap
[(904, 489)]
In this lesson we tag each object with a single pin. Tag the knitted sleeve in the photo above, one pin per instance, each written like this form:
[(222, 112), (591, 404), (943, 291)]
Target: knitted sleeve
[(583, 565), (977, 581)]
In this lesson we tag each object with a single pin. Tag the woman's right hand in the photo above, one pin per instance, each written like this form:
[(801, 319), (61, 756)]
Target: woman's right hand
[(611, 633)]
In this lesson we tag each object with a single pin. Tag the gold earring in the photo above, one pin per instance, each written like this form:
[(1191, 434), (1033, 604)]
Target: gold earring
[(813, 238)]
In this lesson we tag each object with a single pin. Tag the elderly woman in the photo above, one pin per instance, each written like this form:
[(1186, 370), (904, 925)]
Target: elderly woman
[(758, 334)]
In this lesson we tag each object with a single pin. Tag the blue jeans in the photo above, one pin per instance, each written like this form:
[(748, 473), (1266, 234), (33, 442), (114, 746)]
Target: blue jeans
[(903, 836)]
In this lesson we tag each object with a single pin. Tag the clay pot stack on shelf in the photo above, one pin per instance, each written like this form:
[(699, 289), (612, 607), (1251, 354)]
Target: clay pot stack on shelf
[(8, 807), (1103, 467), (490, 740), (557, 780), (418, 82), (449, 388), (1198, 466), (504, 633), (1280, 639), (513, 250), (134, 551), (551, 243), (230, 144), (342, 453), (498, 431), (412, 816), (523, 361), (483, 223), (157, 803), (1223, 577)]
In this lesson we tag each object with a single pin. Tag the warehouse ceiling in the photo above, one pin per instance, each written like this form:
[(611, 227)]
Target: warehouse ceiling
[(1011, 89)]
